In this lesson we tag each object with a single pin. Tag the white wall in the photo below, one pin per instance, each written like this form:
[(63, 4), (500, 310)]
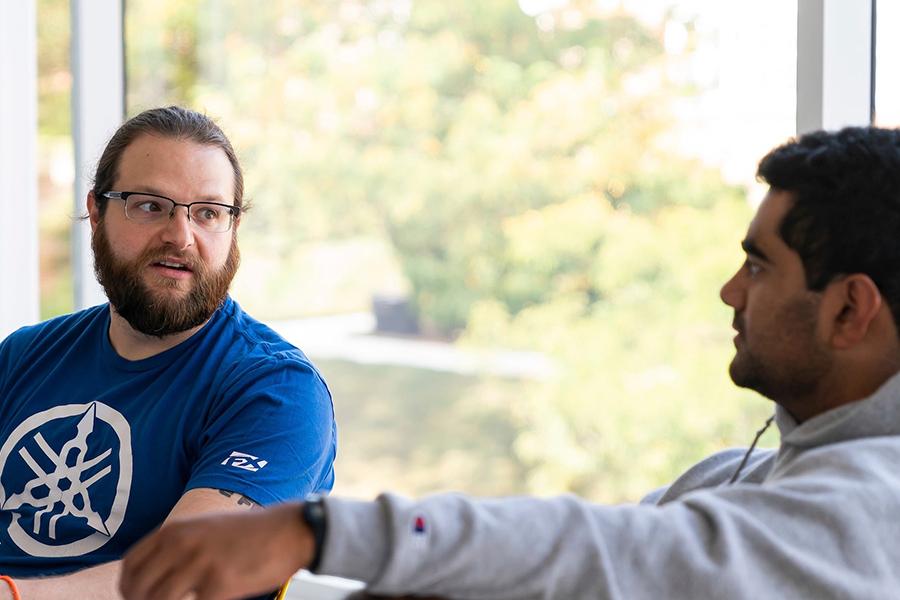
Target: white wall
[(19, 295)]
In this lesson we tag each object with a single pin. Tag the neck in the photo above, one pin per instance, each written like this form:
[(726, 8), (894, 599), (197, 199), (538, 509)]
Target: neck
[(862, 380), (131, 344)]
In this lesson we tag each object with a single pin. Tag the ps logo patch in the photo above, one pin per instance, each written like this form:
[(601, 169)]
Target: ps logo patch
[(248, 462)]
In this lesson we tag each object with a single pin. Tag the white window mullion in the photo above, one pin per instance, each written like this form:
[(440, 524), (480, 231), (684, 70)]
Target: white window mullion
[(19, 289), (834, 64), (98, 107)]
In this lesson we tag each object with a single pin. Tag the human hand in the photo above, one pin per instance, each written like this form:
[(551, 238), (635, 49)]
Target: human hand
[(218, 557)]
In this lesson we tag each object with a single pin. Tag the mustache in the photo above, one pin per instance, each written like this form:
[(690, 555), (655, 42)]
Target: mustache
[(155, 255), (738, 323), (149, 312)]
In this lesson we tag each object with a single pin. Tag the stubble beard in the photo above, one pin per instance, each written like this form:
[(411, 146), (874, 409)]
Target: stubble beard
[(160, 313), (787, 365)]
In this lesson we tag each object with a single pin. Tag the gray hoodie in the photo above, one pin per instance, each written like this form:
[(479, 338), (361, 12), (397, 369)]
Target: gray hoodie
[(819, 518)]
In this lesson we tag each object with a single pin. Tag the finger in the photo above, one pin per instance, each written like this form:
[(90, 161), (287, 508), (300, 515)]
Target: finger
[(138, 565), (180, 580), (218, 585), (145, 547), (231, 576), (212, 591), (151, 560)]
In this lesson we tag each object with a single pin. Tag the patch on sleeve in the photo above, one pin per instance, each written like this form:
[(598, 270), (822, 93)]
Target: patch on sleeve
[(419, 527), (241, 460), (420, 531)]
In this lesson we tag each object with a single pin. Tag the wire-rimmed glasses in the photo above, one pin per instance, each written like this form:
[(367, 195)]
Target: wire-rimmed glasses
[(144, 207)]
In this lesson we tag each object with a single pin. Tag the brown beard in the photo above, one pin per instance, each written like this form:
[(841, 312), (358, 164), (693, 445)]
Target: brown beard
[(151, 312)]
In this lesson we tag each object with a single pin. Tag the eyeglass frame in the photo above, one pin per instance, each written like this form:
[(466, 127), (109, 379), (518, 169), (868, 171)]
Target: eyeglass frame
[(234, 211)]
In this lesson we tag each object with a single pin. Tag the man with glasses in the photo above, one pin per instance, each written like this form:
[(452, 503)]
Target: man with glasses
[(167, 402)]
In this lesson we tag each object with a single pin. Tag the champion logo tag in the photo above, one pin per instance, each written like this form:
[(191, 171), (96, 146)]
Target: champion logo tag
[(419, 525), (419, 532)]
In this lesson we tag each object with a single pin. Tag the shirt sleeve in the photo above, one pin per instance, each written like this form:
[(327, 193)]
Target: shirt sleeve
[(271, 436), (803, 535)]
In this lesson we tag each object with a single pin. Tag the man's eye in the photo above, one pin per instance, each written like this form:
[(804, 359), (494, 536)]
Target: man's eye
[(752, 267), (207, 213), (149, 206)]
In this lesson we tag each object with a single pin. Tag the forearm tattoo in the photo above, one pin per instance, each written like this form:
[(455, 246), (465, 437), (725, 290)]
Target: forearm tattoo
[(241, 500)]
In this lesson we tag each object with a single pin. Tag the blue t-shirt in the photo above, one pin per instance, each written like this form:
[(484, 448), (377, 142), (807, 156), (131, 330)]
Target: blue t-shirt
[(95, 450)]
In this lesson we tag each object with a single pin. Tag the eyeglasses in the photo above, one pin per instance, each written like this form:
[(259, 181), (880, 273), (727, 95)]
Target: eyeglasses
[(142, 207)]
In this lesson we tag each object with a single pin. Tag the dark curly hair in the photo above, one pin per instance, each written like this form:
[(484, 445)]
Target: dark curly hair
[(170, 121), (845, 217)]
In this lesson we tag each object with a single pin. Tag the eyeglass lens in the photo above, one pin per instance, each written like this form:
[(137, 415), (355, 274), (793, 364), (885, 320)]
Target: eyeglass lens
[(152, 209)]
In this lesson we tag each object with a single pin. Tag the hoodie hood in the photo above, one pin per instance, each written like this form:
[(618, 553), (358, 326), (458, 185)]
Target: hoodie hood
[(875, 416)]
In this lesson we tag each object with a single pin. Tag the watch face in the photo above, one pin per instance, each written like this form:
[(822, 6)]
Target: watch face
[(313, 511)]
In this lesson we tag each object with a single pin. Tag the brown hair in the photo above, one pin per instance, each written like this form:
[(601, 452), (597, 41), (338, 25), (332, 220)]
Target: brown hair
[(173, 122)]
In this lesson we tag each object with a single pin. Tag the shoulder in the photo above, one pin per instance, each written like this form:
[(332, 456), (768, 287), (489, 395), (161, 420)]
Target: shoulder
[(258, 356), (716, 470), (256, 339), (853, 483), (872, 458), (862, 470), (20, 341)]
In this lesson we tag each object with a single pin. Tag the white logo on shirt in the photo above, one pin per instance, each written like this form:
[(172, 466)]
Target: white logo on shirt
[(60, 492), (241, 460)]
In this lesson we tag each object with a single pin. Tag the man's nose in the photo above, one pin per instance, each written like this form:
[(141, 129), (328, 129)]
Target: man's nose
[(178, 230), (732, 293)]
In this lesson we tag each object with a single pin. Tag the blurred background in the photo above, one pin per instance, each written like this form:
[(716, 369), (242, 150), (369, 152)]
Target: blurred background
[(499, 228)]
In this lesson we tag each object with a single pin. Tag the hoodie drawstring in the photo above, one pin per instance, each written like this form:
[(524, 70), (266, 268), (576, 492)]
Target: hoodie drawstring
[(750, 450)]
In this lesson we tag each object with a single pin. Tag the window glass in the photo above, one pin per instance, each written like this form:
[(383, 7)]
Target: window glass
[(498, 227), (887, 62), (55, 158)]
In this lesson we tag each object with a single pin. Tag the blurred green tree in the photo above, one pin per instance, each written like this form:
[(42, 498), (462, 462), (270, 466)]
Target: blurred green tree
[(518, 168)]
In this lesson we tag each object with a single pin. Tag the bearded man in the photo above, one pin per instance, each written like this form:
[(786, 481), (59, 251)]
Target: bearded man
[(816, 307), (166, 402)]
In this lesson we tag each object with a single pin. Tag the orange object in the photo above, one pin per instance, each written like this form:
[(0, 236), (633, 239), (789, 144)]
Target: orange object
[(12, 586)]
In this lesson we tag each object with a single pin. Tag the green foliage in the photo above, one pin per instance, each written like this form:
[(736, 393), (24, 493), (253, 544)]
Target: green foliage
[(54, 156), (517, 168), (644, 391), (162, 57), (422, 430), (54, 77), (429, 123)]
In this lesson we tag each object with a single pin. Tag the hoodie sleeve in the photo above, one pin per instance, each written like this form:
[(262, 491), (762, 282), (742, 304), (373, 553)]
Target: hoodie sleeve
[(804, 534)]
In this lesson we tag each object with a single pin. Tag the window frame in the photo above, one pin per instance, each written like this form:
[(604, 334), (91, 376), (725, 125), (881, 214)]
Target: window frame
[(835, 87)]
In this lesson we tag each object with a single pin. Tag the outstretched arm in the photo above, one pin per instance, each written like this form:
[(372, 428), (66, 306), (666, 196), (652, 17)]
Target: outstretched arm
[(793, 537), (219, 557), (101, 582)]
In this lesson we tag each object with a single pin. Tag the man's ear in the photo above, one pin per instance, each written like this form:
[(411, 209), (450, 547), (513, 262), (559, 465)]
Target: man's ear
[(856, 302), (93, 210)]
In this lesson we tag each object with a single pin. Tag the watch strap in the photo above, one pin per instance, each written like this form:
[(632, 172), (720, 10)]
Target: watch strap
[(313, 513)]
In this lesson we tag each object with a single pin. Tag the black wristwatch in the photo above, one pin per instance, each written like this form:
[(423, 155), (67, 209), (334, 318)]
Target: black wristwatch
[(313, 514)]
